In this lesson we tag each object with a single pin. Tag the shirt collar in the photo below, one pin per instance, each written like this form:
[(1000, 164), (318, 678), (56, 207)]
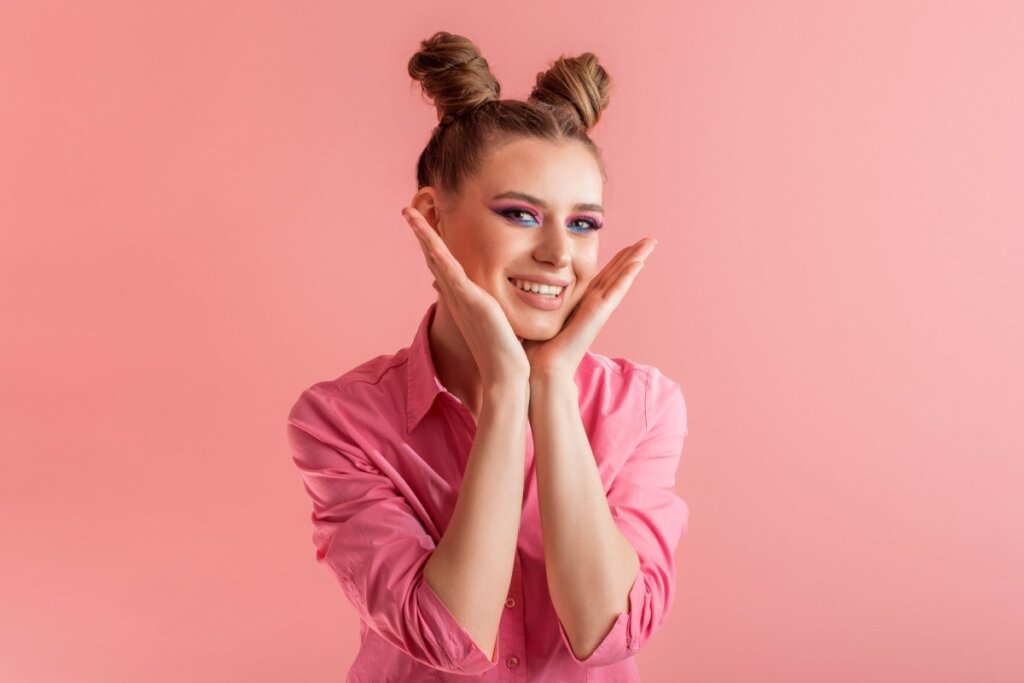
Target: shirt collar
[(422, 384)]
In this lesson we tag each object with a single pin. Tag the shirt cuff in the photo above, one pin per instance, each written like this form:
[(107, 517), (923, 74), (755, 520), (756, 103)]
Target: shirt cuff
[(465, 656), (618, 642)]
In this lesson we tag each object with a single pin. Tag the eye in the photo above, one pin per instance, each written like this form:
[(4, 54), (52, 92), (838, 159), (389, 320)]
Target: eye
[(511, 213), (589, 224), (518, 214)]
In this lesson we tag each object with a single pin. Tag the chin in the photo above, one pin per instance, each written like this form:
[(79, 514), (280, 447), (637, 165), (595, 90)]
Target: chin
[(532, 324), (537, 332)]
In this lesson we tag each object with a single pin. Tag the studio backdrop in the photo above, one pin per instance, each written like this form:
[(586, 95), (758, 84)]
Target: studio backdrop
[(199, 218)]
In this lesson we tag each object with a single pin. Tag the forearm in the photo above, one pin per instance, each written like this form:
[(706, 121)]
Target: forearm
[(471, 568), (590, 565)]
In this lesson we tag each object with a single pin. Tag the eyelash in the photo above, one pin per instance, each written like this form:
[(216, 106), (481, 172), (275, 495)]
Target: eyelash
[(594, 225)]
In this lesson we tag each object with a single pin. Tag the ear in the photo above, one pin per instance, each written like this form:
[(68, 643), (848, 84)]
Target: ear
[(426, 201)]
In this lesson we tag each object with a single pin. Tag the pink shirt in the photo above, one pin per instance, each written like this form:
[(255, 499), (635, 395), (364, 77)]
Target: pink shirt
[(382, 450)]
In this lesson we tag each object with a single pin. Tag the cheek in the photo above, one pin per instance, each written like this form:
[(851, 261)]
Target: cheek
[(495, 257), (584, 276), (474, 259), (586, 268)]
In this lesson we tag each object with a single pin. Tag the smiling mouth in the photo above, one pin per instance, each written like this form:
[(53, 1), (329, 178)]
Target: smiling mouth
[(544, 302), (543, 295), (562, 289)]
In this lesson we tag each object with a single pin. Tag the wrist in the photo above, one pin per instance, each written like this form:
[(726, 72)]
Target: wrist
[(504, 390), (548, 379)]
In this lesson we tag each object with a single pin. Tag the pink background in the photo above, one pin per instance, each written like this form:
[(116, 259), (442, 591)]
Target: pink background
[(200, 212)]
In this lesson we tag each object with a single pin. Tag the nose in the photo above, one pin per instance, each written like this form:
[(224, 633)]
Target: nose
[(554, 245)]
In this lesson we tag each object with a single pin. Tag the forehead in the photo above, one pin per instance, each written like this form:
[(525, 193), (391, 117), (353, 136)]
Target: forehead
[(563, 173)]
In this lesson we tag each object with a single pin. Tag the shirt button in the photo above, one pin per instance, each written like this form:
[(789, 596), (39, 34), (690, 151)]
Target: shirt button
[(512, 662), (511, 602)]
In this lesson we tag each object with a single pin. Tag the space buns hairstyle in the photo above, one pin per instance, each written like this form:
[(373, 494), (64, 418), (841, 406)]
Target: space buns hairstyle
[(565, 103)]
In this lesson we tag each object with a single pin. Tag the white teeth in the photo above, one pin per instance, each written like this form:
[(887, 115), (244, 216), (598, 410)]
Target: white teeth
[(537, 288)]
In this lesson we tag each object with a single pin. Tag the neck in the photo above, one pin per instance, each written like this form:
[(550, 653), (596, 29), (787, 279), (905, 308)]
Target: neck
[(454, 362)]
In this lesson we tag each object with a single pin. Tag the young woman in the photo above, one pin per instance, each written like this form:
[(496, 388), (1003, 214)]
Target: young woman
[(495, 499)]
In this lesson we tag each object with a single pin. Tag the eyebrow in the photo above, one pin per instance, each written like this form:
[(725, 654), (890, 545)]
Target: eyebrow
[(542, 204)]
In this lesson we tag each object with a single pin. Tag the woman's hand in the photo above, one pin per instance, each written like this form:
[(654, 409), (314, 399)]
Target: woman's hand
[(495, 347), (561, 354)]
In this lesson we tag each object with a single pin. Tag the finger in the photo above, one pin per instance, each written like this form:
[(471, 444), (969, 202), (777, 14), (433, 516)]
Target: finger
[(618, 289), (451, 279), (616, 281), (417, 231), (442, 282), (608, 267), (451, 269), (441, 285), (636, 253), (607, 273), (431, 257), (423, 233), (431, 240)]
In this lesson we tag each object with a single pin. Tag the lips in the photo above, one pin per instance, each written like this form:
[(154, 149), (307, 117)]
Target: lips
[(544, 303), (542, 280)]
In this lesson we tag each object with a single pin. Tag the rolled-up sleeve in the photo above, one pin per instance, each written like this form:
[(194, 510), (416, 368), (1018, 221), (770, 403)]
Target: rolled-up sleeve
[(369, 538), (652, 517)]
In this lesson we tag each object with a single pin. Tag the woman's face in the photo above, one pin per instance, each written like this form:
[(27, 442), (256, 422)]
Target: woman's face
[(543, 226)]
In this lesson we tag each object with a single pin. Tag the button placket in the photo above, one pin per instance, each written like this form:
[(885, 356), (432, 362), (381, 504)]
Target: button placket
[(513, 633)]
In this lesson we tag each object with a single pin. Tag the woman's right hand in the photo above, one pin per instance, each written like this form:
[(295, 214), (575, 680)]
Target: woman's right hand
[(497, 350)]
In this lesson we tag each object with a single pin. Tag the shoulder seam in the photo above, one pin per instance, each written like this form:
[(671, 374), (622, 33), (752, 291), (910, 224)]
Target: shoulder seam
[(331, 388)]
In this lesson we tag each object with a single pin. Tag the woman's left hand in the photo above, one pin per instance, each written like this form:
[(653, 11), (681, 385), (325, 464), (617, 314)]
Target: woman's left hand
[(561, 354)]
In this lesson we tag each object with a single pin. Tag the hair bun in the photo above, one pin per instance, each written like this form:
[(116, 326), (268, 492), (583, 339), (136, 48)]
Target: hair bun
[(454, 74), (578, 86)]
